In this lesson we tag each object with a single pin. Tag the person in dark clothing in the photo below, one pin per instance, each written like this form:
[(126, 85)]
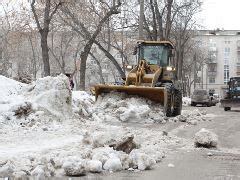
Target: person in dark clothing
[(70, 81), (71, 84)]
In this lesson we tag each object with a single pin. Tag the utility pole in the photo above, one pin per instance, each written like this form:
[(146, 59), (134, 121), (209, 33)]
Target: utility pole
[(141, 20)]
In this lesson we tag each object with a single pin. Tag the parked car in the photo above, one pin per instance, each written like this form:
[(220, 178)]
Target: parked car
[(201, 96)]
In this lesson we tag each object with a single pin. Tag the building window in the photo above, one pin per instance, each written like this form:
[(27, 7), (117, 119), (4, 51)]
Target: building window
[(226, 52), (227, 42), (226, 74), (226, 61), (211, 80)]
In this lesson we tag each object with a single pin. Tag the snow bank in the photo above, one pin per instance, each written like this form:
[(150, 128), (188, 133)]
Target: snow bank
[(10, 91), (10, 87), (205, 138), (40, 137)]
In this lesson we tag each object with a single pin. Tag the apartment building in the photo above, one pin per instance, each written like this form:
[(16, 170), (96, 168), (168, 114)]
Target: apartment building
[(222, 60)]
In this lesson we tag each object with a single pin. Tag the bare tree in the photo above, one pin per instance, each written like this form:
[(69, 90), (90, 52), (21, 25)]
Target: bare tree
[(183, 30), (80, 27), (50, 9)]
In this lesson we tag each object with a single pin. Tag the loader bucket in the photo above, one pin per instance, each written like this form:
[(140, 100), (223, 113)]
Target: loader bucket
[(230, 102), (156, 94)]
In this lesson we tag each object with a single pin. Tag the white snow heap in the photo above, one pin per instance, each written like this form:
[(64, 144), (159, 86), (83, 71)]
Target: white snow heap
[(205, 138), (10, 91), (120, 107), (53, 95)]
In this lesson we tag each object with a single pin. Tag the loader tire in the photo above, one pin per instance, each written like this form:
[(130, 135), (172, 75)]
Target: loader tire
[(169, 103), (177, 106)]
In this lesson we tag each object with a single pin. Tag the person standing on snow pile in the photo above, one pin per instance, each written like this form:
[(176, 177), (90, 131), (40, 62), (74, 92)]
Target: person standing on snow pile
[(70, 81)]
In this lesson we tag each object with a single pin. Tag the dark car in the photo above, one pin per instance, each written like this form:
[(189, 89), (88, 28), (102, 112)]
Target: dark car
[(201, 96)]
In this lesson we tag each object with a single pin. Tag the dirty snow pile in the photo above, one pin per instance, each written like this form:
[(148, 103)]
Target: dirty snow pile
[(205, 138), (186, 101), (120, 107), (115, 107), (191, 116), (40, 136), (82, 103)]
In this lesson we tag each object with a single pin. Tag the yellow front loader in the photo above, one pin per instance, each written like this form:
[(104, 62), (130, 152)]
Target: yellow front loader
[(153, 78)]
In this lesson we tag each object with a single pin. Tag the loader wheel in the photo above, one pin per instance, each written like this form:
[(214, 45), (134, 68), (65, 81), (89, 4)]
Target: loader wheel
[(169, 104), (177, 103)]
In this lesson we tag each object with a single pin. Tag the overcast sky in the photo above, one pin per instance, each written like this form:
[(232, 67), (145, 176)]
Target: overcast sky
[(221, 14)]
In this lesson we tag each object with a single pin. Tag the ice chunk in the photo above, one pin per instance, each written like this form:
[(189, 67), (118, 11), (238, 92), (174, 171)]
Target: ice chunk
[(205, 138), (141, 160), (94, 166), (113, 164)]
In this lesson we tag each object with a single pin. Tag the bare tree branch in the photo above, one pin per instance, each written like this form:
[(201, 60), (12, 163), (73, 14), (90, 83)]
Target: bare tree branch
[(35, 15)]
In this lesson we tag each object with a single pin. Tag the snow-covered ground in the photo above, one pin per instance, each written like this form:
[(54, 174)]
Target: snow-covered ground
[(47, 130)]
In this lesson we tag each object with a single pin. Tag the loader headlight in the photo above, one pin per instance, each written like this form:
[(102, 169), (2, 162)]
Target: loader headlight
[(169, 68), (129, 67)]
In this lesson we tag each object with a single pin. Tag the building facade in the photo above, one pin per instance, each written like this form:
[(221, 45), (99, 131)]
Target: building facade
[(222, 59)]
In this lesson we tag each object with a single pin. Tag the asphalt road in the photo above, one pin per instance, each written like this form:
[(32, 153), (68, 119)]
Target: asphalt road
[(193, 164)]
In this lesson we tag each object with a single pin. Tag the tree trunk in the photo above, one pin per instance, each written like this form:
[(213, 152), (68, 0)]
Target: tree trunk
[(154, 22), (168, 19), (159, 20), (140, 35), (45, 55), (83, 64)]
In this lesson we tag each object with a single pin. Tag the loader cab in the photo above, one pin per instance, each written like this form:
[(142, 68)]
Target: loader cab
[(234, 84), (156, 53)]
